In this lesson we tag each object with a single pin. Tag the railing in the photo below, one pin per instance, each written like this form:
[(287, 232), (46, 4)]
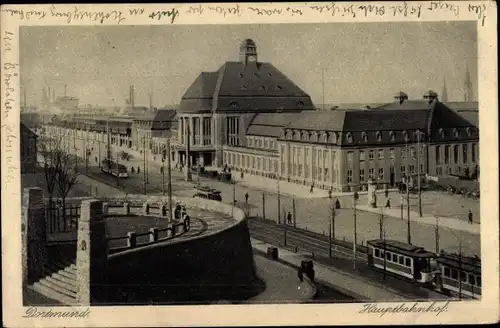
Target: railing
[(61, 218)]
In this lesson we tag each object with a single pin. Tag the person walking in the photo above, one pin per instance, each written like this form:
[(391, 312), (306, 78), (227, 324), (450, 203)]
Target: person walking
[(241, 175), (312, 189), (289, 218), (246, 197), (470, 217), (330, 193)]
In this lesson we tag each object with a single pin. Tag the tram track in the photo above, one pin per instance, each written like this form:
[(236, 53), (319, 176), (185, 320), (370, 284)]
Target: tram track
[(303, 241)]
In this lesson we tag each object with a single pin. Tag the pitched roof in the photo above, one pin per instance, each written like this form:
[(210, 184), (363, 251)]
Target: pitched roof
[(408, 105), (269, 124), (164, 119), (244, 87), (371, 120), (332, 120)]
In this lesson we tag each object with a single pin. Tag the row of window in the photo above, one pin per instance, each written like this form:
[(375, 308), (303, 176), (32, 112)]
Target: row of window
[(233, 131), (251, 162), (380, 153), (264, 143), (450, 170), (465, 277), (456, 153), (380, 175), (395, 258)]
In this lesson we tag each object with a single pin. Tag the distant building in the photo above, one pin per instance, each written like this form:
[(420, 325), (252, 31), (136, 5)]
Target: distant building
[(28, 149)]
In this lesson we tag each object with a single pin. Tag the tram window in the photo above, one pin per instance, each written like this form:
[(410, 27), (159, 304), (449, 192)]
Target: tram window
[(472, 281), (401, 260), (446, 272), (478, 281), (395, 258), (454, 274), (463, 276), (407, 262), (388, 256), (377, 253)]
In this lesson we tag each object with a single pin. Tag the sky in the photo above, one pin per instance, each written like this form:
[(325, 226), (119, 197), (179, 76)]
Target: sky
[(360, 62)]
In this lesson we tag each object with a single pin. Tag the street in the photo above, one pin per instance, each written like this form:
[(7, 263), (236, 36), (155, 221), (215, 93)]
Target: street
[(311, 214)]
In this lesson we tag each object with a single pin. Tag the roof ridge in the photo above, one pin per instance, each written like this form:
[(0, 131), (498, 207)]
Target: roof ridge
[(218, 84)]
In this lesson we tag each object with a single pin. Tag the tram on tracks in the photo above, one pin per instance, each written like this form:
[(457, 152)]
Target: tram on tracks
[(405, 260), (460, 274), (451, 273), (117, 170)]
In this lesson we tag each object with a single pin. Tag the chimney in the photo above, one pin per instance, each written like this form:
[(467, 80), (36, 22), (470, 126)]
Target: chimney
[(401, 97), (431, 96)]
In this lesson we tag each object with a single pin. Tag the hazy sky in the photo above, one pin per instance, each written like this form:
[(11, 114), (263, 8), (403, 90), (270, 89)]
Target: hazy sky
[(364, 62)]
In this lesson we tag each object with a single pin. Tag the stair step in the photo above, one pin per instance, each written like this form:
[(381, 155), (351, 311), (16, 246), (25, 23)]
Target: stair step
[(49, 284), (62, 282), (52, 294), (54, 266), (68, 274)]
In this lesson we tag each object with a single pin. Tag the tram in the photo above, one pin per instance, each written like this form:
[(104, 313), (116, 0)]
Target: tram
[(117, 170), (460, 274), (405, 260)]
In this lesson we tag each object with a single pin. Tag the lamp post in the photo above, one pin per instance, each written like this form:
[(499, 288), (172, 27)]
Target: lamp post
[(408, 193), (169, 165), (279, 203), (418, 174), (355, 237), (381, 222), (331, 230)]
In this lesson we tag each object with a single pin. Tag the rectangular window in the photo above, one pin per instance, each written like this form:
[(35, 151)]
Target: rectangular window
[(259, 162), (253, 162), (207, 131), (391, 153), (349, 176), (395, 258), (266, 143), (472, 279), (438, 155), (380, 154), (403, 153), (454, 274), (361, 175), (232, 130), (381, 173), (371, 173), (447, 154), (463, 276), (412, 152), (371, 154), (455, 153), (401, 260), (412, 169), (464, 154), (473, 153), (361, 156), (275, 166), (446, 272), (407, 262), (388, 256), (478, 281), (377, 253), (421, 168)]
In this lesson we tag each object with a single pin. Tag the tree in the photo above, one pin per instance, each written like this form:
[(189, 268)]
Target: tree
[(59, 166)]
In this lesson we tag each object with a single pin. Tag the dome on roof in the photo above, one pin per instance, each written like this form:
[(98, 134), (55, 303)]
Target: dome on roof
[(247, 43)]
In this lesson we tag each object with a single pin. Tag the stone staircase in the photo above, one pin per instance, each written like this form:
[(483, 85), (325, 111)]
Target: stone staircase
[(59, 281)]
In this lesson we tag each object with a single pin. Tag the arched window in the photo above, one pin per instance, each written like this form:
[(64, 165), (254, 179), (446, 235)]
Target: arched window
[(405, 135), (468, 131), (456, 133), (324, 137), (332, 137), (289, 135), (392, 136), (233, 104), (379, 136), (296, 135), (314, 137), (364, 135), (305, 136), (442, 133), (349, 137)]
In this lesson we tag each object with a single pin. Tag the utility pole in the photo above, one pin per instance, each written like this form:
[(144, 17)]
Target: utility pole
[(279, 205), (293, 211), (385, 256), (163, 175), (408, 193), (418, 175), (188, 162), (460, 273), (144, 164), (436, 235), (381, 222), (355, 237), (169, 165), (331, 230)]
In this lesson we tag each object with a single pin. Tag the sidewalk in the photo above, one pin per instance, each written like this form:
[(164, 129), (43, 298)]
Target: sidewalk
[(354, 286), (450, 223)]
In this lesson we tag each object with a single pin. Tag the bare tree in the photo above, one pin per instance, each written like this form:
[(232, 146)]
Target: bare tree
[(60, 168)]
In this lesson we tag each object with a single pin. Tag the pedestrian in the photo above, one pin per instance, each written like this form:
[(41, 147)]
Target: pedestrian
[(388, 203), (246, 197), (95, 159), (132, 169), (138, 170), (289, 218), (470, 217), (300, 274), (312, 189), (337, 204), (241, 175), (330, 193)]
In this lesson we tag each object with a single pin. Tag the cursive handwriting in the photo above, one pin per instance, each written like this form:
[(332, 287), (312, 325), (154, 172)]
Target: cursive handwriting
[(479, 10), (444, 5), (381, 309), (33, 312), (7, 40), (159, 14), (9, 136), (78, 14), (10, 71), (26, 15)]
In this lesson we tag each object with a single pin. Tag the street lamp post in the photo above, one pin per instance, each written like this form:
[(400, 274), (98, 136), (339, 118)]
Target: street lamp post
[(163, 175), (418, 175), (436, 235), (331, 229), (408, 193), (355, 237), (279, 205), (381, 222), (144, 164), (169, 165)]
